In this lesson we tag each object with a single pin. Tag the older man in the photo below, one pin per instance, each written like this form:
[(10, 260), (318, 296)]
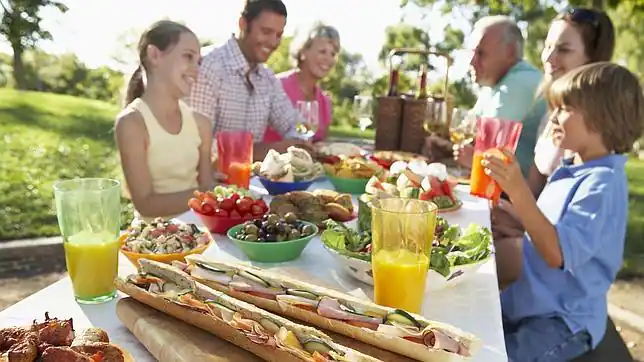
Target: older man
[(237, 91), (508, 84)]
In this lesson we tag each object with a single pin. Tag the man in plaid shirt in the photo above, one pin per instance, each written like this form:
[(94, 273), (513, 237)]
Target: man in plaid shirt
[(237, 92)]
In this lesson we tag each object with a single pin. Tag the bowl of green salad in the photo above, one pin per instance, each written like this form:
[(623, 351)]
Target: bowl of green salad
[(457, 253)]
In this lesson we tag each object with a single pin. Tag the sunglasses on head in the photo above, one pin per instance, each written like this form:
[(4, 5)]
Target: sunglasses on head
[(585, 16), (326, 32)]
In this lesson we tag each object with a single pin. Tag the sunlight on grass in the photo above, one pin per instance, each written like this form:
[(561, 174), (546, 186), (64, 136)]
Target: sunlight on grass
[(634, 248), (45, 138)]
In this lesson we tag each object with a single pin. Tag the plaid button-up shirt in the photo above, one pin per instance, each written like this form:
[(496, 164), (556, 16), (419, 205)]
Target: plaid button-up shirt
[(223, 94)]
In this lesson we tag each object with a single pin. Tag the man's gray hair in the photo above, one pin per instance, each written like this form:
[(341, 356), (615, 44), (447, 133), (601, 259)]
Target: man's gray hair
[(511, 32)]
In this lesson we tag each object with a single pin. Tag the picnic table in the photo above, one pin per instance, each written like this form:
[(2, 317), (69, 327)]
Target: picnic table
[(472, 305)]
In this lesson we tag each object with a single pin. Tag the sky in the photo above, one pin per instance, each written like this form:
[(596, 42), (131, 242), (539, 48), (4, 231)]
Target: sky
[(94, 29)]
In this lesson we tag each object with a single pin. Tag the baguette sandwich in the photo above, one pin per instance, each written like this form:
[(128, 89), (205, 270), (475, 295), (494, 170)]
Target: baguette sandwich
[(389, 329), (271, 337)]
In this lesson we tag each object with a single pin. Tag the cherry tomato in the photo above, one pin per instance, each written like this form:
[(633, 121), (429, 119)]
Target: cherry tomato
[(195, 204), (261, 204), (247, 217), (227, 204), (221, 213), (256, 210), (198, 195), (235, 196), (243, 205), (235, 215), (207, 209), (212, 202)]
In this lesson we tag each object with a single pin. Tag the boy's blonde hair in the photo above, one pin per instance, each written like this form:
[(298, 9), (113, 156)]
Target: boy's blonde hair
[(610, 99)]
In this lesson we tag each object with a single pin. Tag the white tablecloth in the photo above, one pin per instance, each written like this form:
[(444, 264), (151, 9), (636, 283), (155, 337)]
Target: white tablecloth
[(472, 305)]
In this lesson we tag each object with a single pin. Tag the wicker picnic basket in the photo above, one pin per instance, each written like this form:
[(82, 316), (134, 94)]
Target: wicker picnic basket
[(414, 111), (388, 123)]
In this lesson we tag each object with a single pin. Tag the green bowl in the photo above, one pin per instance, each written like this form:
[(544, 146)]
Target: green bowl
[(272, 252), (353, 186)]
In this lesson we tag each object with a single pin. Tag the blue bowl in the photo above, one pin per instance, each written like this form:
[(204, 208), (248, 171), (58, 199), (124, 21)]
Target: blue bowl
[(277, 188)]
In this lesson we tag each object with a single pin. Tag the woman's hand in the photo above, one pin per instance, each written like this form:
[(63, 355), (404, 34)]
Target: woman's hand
[(505, 170)]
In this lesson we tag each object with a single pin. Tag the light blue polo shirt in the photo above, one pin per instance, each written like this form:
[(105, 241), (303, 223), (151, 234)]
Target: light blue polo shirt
[(513, 98), (588, 204)]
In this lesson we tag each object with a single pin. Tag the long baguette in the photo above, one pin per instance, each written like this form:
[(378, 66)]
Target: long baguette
[(271, 337), (460, 346)]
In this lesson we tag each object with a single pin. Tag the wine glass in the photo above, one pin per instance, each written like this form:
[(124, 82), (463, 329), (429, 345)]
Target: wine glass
[(435, 118), (462, 130), (310, 112), (363, 111)]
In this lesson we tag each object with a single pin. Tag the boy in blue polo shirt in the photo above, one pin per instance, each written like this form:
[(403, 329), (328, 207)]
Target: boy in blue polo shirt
[(573, 246)]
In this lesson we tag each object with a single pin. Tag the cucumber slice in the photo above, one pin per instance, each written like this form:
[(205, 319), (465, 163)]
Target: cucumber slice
[(254, 278), (303, 293), (312, 345), (210, 268), (401, 317)]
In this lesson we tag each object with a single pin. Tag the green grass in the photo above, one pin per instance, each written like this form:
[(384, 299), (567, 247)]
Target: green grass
[(47, 137), (44, 138), (634, 249), (348, 132)]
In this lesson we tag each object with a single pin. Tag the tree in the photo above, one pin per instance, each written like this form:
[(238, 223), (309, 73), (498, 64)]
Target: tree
[(405, 36), (21, 27)]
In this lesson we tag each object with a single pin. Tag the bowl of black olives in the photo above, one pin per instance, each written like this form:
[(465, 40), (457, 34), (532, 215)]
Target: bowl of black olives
[(273, 239)]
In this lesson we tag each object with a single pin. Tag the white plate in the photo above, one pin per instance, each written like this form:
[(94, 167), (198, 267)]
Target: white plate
[(361, 270)]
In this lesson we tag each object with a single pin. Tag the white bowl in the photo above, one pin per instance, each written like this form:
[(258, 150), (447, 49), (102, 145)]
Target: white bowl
[(361, 270)]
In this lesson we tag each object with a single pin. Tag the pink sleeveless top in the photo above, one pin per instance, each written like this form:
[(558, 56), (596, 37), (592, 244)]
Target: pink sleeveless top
[(295, 94)]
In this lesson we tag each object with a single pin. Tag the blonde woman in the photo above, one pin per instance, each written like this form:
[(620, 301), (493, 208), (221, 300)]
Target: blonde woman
[(315, 58)]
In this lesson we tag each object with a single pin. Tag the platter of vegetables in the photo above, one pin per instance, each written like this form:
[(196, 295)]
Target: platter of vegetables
[(456, 253)]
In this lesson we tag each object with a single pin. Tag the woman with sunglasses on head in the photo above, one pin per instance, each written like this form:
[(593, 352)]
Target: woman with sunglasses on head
[(576, 37), (315, 57)]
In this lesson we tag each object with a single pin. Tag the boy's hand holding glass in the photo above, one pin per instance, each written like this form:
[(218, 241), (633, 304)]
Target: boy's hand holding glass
[(502, 166)]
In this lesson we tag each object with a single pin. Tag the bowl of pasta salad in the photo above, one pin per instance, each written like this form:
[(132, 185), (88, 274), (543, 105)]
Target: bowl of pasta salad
[(163, 241)]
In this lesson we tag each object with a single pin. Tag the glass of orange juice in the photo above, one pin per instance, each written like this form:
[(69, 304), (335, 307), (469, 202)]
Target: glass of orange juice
[(402, 235), (492, 135), (235, 156), (89, 217)]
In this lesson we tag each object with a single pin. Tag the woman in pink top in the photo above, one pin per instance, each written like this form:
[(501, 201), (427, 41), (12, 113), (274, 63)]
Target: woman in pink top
[(315, 58)]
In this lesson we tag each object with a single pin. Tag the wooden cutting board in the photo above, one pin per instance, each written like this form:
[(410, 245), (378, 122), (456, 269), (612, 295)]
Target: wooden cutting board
[(169, 339)]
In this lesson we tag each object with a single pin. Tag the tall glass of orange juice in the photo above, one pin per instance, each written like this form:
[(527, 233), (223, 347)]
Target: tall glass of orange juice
[(402, 235), (89, 217), (235, 156), (492, 135)]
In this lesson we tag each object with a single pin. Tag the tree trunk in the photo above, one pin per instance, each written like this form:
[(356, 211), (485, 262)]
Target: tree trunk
[(18, 67)]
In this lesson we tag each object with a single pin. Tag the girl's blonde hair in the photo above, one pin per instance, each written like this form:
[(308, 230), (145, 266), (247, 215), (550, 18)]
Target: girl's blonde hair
[(298, 45), (610, 99)]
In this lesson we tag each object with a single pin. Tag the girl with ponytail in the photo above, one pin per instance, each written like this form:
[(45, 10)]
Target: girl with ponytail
[(165, 147)]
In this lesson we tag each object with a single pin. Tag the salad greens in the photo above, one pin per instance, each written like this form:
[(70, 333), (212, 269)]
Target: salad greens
[(450, 248), (346, 241)]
